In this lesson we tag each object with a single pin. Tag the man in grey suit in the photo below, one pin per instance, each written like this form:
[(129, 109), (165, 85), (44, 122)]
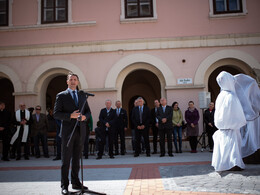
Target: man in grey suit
[(67, 108), (40, 126)]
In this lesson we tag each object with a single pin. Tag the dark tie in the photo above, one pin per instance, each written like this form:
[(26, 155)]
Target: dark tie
[(75, 98), (141, 114)]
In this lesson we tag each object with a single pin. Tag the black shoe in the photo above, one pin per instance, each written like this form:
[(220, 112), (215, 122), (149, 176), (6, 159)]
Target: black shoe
[(136, 155), (116, 153), (180, 151), (162, 155), (47, 156), (37, 156), (57, 158), (5, 159), (171, 155), (26, 158), (18, 158), (12, 156), (148, 155), (64, 190), (99, 157), (154, 152), (112, 157), (122, 153), (86, 157), (176, 151), (78, 187)]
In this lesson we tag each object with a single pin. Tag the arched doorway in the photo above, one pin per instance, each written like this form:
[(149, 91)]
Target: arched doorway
[(6, 96), (213, 87), (140, 83), (56, 85)]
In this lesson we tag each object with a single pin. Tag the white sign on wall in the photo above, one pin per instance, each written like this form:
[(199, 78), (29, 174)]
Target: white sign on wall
[(185, 81)]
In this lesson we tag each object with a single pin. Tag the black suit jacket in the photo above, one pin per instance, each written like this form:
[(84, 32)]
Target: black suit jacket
[(105, 117), (121, 121), (153, 116), (167, 114), (63, 108), (146, 117)]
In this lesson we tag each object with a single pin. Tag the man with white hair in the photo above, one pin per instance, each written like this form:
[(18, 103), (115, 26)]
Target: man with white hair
[(107, 118), (22, 121)]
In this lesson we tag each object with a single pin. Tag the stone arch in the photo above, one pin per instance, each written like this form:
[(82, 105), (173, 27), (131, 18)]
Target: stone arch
[(47, 69), (240, 59), (9, 73), (165, 71), (42, 76)]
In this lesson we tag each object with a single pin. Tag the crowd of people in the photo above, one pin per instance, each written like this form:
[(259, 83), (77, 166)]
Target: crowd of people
[(29, 128)]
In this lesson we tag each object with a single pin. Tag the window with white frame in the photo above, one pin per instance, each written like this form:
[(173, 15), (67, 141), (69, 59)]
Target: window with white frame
[(4, 12), (54, 11), (138, 8), (227, 6)]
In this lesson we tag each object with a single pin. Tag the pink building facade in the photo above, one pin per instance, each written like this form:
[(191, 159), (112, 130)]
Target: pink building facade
[(123, 49)]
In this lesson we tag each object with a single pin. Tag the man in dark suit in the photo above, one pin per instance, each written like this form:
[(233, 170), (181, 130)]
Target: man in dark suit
[(5, 132), (164, 115), (210, 126), (155, 124), (40, 126), (141, 120), (121, 123), (107, 118), (67, 108)]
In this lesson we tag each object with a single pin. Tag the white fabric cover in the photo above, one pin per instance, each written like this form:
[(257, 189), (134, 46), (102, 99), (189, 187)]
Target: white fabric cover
[(229, 118), (248, 93)]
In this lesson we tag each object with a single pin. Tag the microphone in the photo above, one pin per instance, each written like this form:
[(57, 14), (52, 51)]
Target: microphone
[(86, 93)]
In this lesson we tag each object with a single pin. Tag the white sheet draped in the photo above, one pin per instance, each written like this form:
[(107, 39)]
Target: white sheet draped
[(229, 118), (248, 93)]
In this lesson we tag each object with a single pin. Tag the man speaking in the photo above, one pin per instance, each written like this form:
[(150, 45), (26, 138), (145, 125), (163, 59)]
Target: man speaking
[(67, 108)]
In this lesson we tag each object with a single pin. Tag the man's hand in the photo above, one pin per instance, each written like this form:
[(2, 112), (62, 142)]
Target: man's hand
[(83, 117), (157, 125), (75, 114), (125, 129), (107, 125), (2, 128), (210, 124), (164, 120)]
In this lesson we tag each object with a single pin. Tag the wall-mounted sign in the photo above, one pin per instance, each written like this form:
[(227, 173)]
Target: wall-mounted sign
[(185, 81)]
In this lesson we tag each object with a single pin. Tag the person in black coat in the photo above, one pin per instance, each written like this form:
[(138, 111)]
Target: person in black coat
[(67, 108), (121, 123), (154, 123), (107, 118), (164, 115), (209, 122), (141, 120), (5, 133)]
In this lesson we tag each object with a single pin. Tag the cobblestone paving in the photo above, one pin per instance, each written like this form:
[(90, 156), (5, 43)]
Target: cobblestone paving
[(203, 178)]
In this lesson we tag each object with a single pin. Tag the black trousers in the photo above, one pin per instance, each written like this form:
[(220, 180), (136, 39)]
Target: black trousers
[(43, 138), (86, 144), (168, 132), (193, 142), (120, 132), (17, 146), (5, 136), (210, 132), (102, 143), (138, 135), (155, 137), (71, 154)]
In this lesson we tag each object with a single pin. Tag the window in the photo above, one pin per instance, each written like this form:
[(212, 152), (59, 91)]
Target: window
[(54, 11), (138, 8), (4, 12), (227, 6)]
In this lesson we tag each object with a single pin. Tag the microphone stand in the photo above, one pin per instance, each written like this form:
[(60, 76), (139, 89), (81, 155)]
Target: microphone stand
[(82, 191)]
